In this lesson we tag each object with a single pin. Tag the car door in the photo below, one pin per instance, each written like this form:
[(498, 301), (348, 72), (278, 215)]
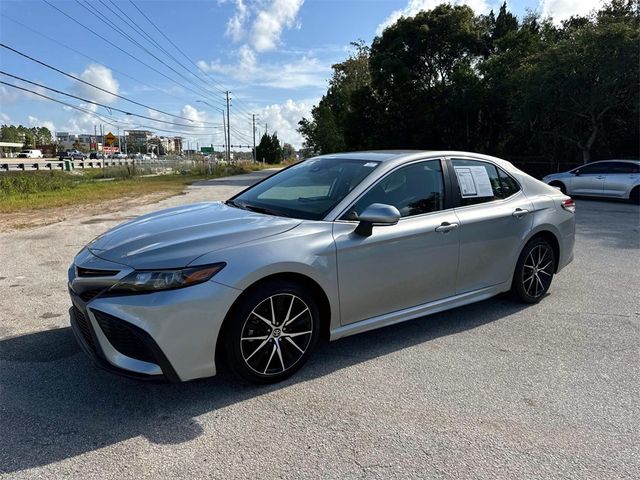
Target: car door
[(495, 217), (588, 180), (403, 265), (620, 178)]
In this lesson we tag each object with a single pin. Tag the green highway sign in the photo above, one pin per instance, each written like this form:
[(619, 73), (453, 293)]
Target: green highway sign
[(206, 149)]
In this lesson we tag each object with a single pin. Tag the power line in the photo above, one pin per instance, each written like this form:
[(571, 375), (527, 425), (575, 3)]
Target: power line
[(101, 104), (222, 89), (104, 19), (121, 123), (121, 50), (94, 86), (51, 39), (141, 31)]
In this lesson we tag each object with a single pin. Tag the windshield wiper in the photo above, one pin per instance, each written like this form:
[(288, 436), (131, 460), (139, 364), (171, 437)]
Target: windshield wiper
[(266, 211), (231, 203), (255, 208)]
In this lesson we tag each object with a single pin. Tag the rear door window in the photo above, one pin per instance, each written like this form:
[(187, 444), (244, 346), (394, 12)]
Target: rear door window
[(481, 182)]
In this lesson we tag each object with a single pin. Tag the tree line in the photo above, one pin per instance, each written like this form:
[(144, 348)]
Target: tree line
[(450, 79), (29, 136)]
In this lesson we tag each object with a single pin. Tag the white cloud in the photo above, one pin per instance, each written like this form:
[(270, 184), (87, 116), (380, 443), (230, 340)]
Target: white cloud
[(5, 119), (261, 23), (563, 9), (236, 24), (283, 119), (102, 77), (36, 122), (415, 6), (270, 23), (303, 72)]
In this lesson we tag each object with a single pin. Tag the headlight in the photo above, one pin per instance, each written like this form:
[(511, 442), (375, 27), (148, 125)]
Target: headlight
[(154, 280)]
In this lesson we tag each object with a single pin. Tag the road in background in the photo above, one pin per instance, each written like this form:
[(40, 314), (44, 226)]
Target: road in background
[(492, 390)]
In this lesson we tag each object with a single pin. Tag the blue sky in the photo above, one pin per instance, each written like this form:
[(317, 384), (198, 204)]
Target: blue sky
[(274, 56)]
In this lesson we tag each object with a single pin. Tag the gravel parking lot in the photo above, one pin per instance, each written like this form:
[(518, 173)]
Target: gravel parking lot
[(492, 390)]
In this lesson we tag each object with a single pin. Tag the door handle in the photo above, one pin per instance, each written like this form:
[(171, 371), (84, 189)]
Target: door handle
[(446, 227), (520, 212), (600, 177)]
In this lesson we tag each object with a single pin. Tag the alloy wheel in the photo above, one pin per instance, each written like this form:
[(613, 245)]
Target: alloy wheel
[(537, 271), (276, 334)]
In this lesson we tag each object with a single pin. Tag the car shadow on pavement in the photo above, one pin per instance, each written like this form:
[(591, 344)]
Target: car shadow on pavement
[(54, 404)]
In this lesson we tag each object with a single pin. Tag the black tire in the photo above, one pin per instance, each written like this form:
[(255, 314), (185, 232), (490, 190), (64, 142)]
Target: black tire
[(279, 348), (560, 185), (634, 196), (534, 271)]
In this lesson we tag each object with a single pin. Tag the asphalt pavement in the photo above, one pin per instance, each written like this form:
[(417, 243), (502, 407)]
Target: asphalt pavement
[(494, 390)]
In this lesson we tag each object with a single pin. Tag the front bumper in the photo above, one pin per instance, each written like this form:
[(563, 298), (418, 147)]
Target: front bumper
[(163, 336)]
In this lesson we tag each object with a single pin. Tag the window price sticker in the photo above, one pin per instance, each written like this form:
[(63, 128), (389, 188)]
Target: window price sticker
[(474, 182)]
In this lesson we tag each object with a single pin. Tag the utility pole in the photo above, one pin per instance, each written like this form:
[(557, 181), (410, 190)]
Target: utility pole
[(254, 138), (224, 134), (266, 129), (228, 130)]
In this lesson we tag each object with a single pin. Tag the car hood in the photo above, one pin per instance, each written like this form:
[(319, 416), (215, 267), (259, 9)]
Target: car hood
[(175, 237)]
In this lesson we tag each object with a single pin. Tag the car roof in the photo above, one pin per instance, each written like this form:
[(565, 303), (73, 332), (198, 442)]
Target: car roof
[(402, 155), (614, 160)]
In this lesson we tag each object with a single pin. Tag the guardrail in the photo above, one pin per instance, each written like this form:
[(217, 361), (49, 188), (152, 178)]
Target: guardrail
[(55, 165)]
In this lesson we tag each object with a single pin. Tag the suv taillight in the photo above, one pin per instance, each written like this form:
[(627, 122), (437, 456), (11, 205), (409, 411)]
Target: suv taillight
[(569, 205)]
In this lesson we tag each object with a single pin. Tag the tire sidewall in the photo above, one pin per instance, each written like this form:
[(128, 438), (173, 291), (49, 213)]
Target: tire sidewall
[(236, 320), (517, 285)]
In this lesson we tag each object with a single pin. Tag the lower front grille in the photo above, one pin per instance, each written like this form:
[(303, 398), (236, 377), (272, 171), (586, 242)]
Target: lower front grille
[(125, 338), (83, 326), (90, 294)]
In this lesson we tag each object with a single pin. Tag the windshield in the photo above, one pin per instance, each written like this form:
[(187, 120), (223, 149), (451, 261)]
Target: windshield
[(307, 190)]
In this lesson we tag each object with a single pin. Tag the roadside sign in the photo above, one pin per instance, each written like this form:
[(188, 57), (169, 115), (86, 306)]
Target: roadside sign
[(206, 149), (110, 139)]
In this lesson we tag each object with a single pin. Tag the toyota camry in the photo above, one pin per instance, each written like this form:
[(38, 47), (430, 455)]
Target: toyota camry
[(329, 247)]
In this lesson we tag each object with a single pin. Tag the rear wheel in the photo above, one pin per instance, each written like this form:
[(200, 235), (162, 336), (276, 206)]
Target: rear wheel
[(560, 185), (272, 332), (534, 271), (634, 197)]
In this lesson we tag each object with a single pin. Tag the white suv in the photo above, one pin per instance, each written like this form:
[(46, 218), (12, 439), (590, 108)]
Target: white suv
[(30, 154)]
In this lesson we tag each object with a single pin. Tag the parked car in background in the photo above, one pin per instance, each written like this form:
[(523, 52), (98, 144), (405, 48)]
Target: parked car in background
[(606, 178), (97, 156), (30, 154), (72, 155), (332, 246)]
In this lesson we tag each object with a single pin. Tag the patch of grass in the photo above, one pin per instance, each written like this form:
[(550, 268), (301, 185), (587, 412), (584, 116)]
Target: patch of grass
[(23, 191)]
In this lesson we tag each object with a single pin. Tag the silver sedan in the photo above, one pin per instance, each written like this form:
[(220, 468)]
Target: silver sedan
[(607, 179), (330, 247)]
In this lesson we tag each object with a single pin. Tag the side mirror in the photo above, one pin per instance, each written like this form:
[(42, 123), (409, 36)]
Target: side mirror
[(377, 214), (576, 173)]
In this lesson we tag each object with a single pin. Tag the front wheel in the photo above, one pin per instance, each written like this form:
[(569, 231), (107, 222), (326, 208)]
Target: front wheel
[(534, 271), (634, 197), (272, 332)]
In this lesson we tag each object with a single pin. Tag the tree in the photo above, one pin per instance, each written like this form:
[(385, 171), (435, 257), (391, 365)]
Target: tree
[(325, 131), (288, 152), (269, 149), (586, 80), (449, 79)]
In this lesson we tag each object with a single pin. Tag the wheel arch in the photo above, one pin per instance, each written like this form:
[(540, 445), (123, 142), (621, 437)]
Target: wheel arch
[(320, 296), (551, 238)]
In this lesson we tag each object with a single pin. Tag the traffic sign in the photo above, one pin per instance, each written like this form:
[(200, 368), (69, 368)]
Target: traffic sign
[(110, 139), (206, 149)]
